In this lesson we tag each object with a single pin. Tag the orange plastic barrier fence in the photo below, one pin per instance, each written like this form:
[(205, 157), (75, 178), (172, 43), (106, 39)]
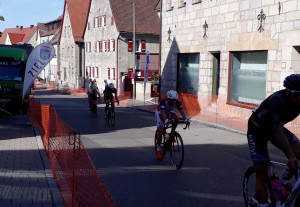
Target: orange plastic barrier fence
[(77, 178)]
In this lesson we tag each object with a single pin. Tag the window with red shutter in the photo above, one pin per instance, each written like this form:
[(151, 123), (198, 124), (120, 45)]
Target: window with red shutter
[(97, 72), (101, 46), (113, 45), (90, 72), (104, 20), (108, 45), (93, 72), (112, 20), (143, 44), (90, 46), (100, 21), (108, 73), (86, 71), (130, 45), (96, 46), (105, 46), (114, 73)]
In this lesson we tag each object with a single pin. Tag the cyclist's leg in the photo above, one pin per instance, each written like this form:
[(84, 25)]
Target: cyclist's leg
[(257, 142), (112, 103), (294, 142), (174, 117), (106, 105), (160, 127)]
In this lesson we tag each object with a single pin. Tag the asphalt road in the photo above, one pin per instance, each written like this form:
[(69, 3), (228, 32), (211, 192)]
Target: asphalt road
[(215, 159)]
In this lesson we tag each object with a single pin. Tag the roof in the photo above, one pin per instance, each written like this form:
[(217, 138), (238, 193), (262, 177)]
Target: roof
[(78, 12), (146, 17), (27, 33), (15, 38), (49, 28)]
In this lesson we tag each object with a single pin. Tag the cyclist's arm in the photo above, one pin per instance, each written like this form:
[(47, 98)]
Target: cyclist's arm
[(181, 111), (282, 141), (162, 114)]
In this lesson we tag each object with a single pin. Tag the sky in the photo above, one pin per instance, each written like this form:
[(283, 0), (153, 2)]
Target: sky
[(29, 12)]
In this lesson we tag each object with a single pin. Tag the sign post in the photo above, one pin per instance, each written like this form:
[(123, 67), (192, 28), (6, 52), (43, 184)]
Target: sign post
[(147, 62)]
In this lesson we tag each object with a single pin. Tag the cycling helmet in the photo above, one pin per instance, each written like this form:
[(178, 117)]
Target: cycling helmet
[(171, 94), (111, 85), (292, 82)]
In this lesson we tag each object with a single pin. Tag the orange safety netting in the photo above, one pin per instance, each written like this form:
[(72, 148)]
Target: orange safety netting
[(77, 178)]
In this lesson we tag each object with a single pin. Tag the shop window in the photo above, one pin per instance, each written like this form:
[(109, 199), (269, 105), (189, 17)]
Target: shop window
[(188, 72), (248, 77)]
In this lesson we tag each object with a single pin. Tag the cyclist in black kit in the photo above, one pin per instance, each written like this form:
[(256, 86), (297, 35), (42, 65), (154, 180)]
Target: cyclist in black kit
[(109, 97), (267, 124)]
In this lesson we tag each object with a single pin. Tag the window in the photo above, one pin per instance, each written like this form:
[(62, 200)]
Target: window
[(248, 76), (112, 20), (100, 21), (108, 45), (113, 70), (93, 72), (95, 22), (143, 46), (112, 45), (196, 1), (188, 72), (108, 73), (104, 20), (101, 46), (130, 46)]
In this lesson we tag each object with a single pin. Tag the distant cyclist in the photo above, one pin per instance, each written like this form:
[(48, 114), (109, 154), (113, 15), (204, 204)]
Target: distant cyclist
[(164, 113), (267, 124), (93, 93), (109, 93)]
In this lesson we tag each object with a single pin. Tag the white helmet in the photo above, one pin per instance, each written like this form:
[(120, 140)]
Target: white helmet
[(171, 94), (111, 85)]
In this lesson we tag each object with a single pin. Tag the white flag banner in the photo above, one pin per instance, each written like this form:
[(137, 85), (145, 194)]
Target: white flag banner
[(37, 61), (147, 62)]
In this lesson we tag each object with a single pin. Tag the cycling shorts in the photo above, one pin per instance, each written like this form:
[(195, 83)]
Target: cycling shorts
[(258, 139)]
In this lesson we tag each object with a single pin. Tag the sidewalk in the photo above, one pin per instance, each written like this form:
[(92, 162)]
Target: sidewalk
[(26, 179)]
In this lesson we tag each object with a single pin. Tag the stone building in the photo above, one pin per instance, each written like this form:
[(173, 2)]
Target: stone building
[(109, 52), (230, 54), (72, 44)]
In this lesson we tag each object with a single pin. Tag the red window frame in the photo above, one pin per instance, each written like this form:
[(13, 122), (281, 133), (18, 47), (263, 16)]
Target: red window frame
[(108, 73), (143, 45)]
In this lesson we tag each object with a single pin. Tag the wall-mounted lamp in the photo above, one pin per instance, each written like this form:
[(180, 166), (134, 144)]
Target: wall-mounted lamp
[(169, 32), (279, 7), (205, 26), (261, 17)]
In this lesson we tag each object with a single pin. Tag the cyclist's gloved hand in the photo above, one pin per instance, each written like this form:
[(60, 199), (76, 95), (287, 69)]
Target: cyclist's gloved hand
[(167, 121)]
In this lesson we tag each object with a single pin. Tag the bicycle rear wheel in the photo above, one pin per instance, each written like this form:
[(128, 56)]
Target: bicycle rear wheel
[(249, 181), (112, 118), (108, 116), (177, 150)]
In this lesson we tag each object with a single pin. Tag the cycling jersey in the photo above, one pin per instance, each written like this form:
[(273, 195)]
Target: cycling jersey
[(276, 109), (165, 106), (109, 92)]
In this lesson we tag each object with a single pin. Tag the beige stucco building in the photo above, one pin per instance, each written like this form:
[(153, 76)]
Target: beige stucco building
[(231, 53)]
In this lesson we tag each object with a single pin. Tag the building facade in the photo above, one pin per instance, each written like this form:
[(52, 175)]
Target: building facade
[(229, 53), (109, 52), (71, 44)]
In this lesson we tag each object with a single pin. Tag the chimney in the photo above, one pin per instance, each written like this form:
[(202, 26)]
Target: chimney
[(31, 25), (17, 26), (21, 27)]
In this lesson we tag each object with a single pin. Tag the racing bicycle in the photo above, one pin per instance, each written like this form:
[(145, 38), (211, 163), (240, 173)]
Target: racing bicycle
[(172, 142), (94, 109), (110, 117), (292, 199)]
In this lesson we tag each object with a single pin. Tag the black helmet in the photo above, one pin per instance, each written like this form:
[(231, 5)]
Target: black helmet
[(292, 82)]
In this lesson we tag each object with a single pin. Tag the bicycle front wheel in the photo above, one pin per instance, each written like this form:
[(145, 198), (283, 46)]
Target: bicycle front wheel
[(249, 182), (177, 150)]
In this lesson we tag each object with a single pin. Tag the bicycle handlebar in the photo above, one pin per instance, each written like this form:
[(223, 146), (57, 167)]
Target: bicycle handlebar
[(180, 121)]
